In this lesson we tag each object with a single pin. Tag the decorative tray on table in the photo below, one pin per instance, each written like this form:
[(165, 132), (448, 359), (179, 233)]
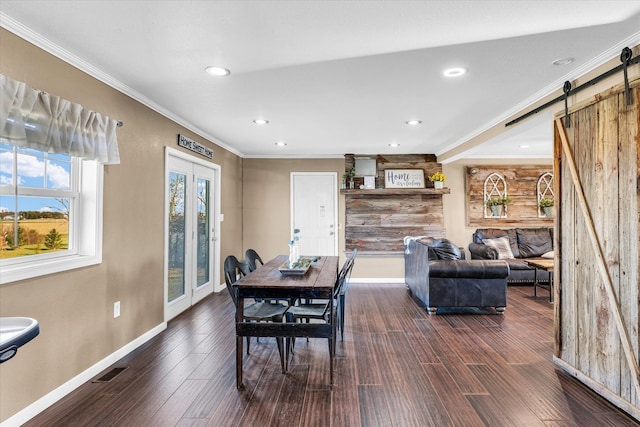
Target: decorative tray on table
[(298, 268)]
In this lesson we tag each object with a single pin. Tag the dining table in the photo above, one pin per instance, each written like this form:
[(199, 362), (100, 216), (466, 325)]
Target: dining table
[(274, 280)]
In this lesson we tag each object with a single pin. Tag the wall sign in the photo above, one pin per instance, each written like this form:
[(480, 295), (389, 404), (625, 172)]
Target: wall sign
[(190, 144), (404, 178)]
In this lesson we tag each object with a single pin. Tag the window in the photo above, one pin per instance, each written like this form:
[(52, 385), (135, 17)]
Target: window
[(52, 153), (48, 212)]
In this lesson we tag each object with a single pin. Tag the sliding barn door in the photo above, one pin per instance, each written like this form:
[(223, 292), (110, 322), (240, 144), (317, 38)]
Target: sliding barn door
[(597, 258)]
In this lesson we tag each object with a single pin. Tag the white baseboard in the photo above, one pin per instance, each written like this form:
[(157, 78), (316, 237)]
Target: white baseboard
[(377, 280), (49, 399), (594, 385)]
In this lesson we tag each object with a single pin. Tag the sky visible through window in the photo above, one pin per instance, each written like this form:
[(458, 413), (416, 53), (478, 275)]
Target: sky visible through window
[(35, 169)]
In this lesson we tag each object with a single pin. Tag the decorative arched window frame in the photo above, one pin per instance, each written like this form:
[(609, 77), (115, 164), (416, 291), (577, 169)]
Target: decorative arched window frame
[(494, 186), (544, 191)]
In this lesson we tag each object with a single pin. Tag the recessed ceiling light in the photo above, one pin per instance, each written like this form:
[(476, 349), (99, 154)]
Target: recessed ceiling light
[(413, 122), (217, 71), (280, 144), (524, 146), (563, 61), (261, 121), (394, 144), (454, 72)]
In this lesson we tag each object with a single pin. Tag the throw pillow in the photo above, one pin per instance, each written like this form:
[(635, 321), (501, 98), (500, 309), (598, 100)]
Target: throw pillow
[(501, 244), (444, 249), (548, 255)]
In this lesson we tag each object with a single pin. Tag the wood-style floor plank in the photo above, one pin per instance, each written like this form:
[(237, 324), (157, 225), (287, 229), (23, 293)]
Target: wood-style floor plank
[(397, 366)]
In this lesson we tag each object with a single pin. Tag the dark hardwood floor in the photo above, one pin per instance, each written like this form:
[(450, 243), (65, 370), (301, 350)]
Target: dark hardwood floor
[(397, 366)]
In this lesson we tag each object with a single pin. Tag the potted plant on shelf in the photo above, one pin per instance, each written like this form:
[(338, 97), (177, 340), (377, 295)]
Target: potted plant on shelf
[(349, 175), (547, 206), (497, 204), (438, 179)]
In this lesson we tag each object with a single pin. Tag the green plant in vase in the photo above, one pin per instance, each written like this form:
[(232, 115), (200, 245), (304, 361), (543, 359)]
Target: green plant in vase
[(294, 254), (546, 204), (497, 204), (348, 176)]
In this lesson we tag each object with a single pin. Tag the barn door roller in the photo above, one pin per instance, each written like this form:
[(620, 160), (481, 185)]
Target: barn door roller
[(625, 57), (566, 89)]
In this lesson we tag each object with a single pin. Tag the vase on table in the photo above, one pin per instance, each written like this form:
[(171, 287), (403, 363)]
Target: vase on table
[(294, 254)]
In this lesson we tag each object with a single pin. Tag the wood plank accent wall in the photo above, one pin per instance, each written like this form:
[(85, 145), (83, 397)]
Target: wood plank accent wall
[(603, 141), (521, 187), (378, 220)]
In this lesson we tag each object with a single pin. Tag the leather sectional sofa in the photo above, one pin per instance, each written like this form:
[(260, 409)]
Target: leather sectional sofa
[(438, 276), (523, 244)]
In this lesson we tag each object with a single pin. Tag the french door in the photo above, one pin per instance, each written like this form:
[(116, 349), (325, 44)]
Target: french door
[(191, 247)]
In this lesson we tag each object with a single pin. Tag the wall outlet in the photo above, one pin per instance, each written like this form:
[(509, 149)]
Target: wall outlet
[(116, 309)]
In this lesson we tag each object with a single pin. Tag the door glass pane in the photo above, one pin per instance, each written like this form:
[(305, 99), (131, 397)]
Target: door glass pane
[(203, 231), (177, 222)]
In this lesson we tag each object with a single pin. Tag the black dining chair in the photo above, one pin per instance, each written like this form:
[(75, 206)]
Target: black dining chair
[(252, 258), (256, 311), (343, 293), (326, 311)]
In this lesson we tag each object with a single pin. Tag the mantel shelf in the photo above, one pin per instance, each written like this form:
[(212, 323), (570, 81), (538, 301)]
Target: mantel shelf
[(395, 191)]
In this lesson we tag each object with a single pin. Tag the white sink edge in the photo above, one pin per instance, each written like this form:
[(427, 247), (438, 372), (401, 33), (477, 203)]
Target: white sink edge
[(13, 327)]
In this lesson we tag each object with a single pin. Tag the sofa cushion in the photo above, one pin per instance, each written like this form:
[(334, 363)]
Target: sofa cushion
[(477, 269), (518, 264), (500, 244), (533, 242), (494, 233)]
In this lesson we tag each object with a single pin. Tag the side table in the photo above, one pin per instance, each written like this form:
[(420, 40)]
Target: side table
[(542, 264)]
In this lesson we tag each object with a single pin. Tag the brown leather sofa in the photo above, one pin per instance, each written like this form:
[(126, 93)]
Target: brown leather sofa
[(438, 276), (524, 243)]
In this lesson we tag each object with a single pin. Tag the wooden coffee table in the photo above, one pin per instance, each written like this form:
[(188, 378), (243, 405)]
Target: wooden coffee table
[(542, 264)]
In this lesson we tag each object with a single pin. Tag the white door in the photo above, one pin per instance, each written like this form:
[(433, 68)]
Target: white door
[(314, 211), (190, 232)]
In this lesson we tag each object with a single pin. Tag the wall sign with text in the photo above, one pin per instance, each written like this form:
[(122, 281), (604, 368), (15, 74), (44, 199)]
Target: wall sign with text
[(404, 178), (190, 144)]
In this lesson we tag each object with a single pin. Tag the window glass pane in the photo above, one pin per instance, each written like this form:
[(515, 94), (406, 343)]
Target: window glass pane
[(6, 165), (30, 170), (59, 174), (177, 222), (203, 231), (43, 226)]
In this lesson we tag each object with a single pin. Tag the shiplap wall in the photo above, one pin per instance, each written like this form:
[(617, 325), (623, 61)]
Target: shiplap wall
[(521, 183)]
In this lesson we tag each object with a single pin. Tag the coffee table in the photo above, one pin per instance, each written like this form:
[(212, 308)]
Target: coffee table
[(542, 264)]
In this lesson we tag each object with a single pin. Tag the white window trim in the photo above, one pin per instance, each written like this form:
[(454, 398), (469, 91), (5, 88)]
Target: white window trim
[(88, 232)]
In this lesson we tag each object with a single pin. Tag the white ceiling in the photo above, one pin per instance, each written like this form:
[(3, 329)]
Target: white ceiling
[(336, 77)]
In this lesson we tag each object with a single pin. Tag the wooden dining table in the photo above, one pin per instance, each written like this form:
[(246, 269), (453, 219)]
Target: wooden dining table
[(268, 282)]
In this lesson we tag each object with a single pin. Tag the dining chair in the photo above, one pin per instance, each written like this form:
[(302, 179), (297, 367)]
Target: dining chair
[(326, 311), (343, 294), (256, 311), (251, 256)]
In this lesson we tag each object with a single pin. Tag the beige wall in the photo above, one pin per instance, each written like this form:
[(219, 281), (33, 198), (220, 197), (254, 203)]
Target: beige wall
[(75, 308), (266, 213)]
